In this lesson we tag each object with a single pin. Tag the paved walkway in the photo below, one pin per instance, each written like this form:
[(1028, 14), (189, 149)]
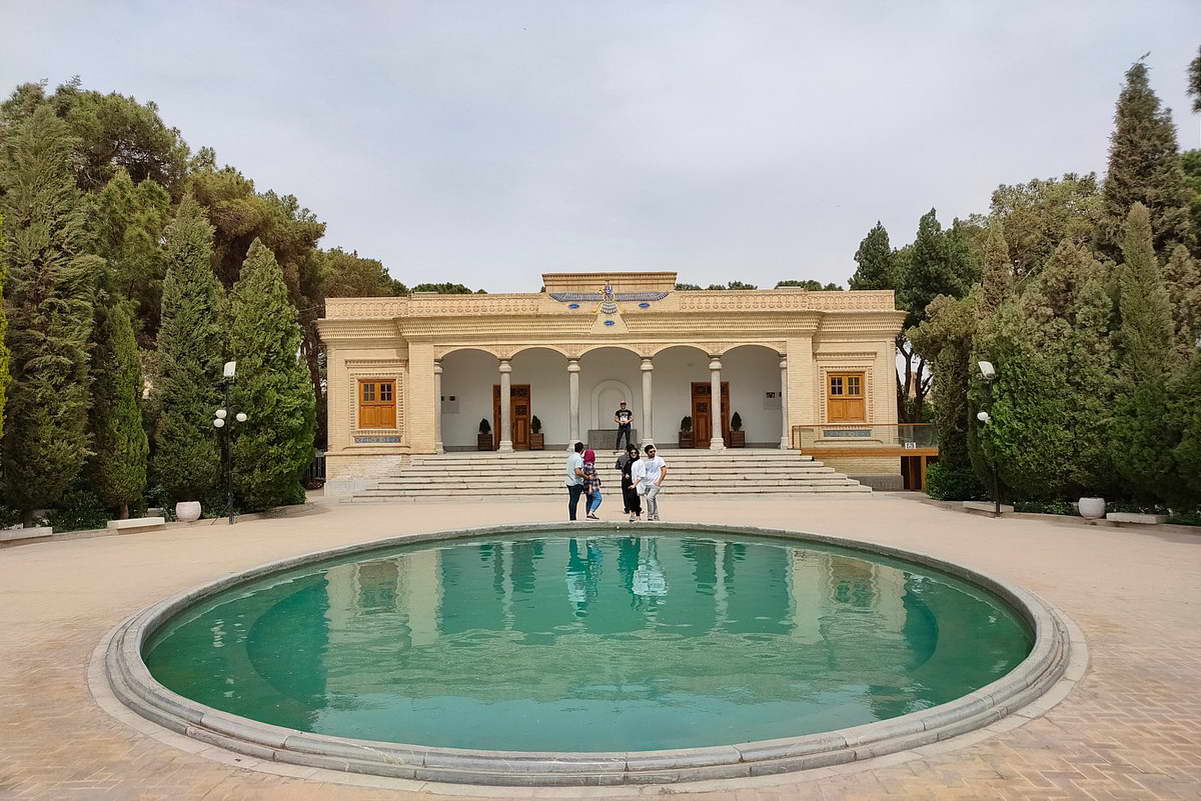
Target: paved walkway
[(1131, 729)]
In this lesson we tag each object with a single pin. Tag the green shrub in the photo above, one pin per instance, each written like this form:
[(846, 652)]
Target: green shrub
[(953, 483), (78, 510), (1044, 507)]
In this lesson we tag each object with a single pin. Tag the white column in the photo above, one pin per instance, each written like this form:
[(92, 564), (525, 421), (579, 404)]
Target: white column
[(438, 407), (506, 402), (648, 416), (716, 443), (785, 433), (573, 382)]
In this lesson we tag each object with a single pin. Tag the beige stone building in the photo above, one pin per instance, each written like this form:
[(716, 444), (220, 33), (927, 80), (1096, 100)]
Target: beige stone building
[(812, 371)]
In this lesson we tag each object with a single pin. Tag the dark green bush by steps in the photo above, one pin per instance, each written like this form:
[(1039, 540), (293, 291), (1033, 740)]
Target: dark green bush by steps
[(945, 482)]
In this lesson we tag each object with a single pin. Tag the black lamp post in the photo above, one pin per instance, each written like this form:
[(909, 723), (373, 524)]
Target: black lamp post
[(989, 373), (220, 418)]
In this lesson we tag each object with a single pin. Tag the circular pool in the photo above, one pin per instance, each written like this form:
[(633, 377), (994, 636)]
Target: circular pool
[(601, 654)]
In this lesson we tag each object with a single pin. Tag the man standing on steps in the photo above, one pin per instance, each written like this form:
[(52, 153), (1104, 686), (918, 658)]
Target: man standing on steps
[(575, 479), (622, 417)]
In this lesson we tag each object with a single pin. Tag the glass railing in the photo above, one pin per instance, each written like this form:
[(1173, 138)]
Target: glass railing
[(864, 435)]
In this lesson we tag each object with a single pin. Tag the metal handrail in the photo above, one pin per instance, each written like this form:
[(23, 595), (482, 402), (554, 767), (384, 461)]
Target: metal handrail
[(860, 435)]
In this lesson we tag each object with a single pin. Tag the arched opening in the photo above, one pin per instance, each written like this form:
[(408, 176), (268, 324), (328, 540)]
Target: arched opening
[(467, 378), (539, 378), (677, 369), (609, 375), (753, 372)]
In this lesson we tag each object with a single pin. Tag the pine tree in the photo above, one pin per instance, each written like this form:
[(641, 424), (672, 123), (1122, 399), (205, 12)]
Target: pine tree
[(874, 257), (274, 446), (1194, 82), (48, 294), (1182, 278), (1144, 167), (1144, 431), (187, 460), (118, 468), (997, 277)]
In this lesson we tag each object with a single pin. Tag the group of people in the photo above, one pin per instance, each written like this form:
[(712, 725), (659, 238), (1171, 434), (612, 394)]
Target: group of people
[(640, 478)]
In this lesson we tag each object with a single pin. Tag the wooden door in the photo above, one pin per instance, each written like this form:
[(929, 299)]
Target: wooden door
[(702, 416), (845, 398), (519, 415)]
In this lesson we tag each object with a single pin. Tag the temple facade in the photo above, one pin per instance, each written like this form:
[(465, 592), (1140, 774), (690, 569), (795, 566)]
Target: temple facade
[(778, 368)]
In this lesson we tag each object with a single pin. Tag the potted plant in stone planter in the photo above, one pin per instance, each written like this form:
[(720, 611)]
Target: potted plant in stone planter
[(484, 440), (537, 438), (686, 432), (737, 435)]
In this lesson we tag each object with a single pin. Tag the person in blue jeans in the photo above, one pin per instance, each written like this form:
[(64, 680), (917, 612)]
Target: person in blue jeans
[(592, 484), (575, 479)]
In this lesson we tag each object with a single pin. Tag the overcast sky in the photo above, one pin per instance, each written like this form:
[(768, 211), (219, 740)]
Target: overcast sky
[(487, 142)]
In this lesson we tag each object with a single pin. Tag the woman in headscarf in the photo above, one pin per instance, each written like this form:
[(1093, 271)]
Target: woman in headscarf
[(629, 493), (592, 483)]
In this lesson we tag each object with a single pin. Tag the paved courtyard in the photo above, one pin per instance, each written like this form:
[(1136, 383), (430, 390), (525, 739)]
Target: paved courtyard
[(1131, 729)]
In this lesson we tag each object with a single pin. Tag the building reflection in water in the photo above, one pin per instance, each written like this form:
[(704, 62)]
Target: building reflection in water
[(703, 633)]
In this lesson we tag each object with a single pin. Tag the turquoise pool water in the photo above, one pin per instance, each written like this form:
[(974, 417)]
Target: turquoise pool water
[(609, 643)]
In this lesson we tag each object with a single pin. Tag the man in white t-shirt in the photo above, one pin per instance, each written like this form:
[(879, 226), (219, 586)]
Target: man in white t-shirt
[(647, 475), (574, 479)]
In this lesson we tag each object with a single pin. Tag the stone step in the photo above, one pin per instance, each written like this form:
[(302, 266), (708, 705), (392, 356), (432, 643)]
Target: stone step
[(497, 481), (774, 473), (840, 489), (547, 487)]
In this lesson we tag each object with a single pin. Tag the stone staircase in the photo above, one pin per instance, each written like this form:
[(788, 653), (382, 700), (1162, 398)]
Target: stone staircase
[(536, 474)]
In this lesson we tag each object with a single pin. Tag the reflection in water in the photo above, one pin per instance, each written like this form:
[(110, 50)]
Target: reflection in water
[(600, 643)]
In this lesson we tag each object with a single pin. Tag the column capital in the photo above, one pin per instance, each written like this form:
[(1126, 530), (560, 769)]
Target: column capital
[(437, 367), (715, 363), (573, 365), (647, 364), (783, 362), (505, 367)]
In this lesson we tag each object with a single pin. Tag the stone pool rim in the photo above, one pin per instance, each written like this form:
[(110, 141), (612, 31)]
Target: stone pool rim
[(132, 683)]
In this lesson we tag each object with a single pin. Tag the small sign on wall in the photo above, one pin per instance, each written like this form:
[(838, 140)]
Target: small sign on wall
[(450, 404), (771, 401)]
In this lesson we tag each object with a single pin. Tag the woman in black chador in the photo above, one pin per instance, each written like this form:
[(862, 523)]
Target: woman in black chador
[(629, 494)]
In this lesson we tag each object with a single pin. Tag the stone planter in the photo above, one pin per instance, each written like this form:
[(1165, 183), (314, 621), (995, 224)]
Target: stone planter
[(483, 442), (537, 442), (187, 511), (737, 439), (685, 439), (1092, 508)]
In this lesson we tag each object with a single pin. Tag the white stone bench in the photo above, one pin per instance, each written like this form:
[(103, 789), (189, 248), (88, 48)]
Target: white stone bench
[(19, 533), (137, 524), (1136, 517)]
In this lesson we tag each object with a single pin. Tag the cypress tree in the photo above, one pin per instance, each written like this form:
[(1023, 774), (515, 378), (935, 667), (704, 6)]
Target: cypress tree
[(5, 260), (274, 446), (1144, 167), (1186, 454), (128, 223), (1054, 386), (874, 257), (1144, 431), (118, 468), (49, 295), (1183, 281), (1147, 330), (187, 460), (997, 275)]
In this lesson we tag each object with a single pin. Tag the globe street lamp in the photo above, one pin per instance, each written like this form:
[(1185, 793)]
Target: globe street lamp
[(228, 374), (989, 373)]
